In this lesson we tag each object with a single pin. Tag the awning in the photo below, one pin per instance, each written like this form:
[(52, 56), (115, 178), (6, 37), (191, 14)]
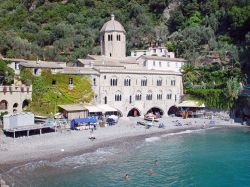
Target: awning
[(81, 120), (190, 103), (106, 108), (72, 107), (93, 109)]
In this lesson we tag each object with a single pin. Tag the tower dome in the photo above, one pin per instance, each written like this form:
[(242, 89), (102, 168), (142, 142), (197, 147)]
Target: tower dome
[(113, 39), (112, 25)]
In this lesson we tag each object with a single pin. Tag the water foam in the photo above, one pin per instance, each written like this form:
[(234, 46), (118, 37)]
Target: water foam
[(91, 158), (152, 139), (182, 132)]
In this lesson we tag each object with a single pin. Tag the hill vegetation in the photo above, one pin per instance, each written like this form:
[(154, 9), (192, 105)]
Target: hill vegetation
[(213, 35)]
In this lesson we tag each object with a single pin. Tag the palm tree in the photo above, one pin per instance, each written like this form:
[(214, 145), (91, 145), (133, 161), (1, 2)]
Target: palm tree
[(190, 74)]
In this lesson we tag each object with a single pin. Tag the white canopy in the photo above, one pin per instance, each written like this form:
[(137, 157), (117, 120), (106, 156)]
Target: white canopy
[(190, 103), (107, 108), (93, 108)]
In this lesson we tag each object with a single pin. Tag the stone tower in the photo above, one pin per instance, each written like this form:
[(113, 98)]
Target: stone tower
[(113, 39)]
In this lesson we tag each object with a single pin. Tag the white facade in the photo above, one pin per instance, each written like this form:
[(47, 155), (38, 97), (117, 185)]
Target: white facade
[(162, 63), (153, 51)]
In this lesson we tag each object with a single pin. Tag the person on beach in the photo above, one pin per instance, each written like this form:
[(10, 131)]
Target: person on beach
[(126, 177)]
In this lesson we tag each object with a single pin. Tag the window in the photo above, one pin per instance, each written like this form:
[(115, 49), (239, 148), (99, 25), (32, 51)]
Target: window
[(159, 96), (94, 81), (159, 82), (153, 63), (168, 64), (118, 96), (17, 66), (169, 96), (110, 54), (104, 77), (154, 50), (144, 82), (138, 96), (36, 70), (118, 37), (172, 82), (130, 99), (110, 37), (105, 100), (127, 82), (149, 96), (159, 63), (53, 82), (145, 63), (70, 81), (175, 97), (113, 82)]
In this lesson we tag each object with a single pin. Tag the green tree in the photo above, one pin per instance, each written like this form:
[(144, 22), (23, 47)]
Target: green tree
[(232, 91)]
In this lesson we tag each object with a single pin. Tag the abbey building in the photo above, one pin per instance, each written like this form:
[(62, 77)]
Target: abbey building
[(148, 80)]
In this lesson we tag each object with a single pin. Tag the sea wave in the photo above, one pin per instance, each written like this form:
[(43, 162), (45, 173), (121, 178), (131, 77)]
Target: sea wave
[(182, 132), (91, 158), (152, 139)]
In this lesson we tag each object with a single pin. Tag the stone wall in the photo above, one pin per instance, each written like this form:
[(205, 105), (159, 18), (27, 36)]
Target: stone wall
[(14, 98)]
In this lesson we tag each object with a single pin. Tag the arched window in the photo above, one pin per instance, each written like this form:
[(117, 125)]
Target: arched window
[(173, 82), (169, 94), (118, 96), (138, 96), (127, 81), (149, 95), (144, 81), (159, 95), (113, 81), (159, 81)]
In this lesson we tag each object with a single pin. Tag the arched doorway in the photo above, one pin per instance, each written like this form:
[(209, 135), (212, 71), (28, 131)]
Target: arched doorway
[(173, 110), (134, 112), (155, 111), (25, 104), (3, 105)]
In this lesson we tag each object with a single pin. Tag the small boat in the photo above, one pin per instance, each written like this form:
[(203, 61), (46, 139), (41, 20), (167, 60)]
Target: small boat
[(145, 123), (150, 117)]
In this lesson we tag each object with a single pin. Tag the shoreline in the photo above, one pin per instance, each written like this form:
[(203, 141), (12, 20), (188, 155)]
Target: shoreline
[(8, 159)]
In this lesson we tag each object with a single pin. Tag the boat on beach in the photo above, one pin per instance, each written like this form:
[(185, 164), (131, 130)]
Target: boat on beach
[(151, 117), (145, 123)]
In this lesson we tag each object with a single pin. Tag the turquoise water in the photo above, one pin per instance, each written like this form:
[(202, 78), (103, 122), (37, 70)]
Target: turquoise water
[(215, 157)]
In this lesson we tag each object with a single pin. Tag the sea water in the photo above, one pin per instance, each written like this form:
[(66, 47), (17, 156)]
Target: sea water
[(214, 157)]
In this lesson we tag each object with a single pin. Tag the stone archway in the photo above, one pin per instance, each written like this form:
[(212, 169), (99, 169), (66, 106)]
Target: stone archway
[(156, 110), (3, 105), (173, 110), (134, 112)]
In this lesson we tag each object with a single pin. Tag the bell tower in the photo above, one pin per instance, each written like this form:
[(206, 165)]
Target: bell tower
[(113, 39)]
